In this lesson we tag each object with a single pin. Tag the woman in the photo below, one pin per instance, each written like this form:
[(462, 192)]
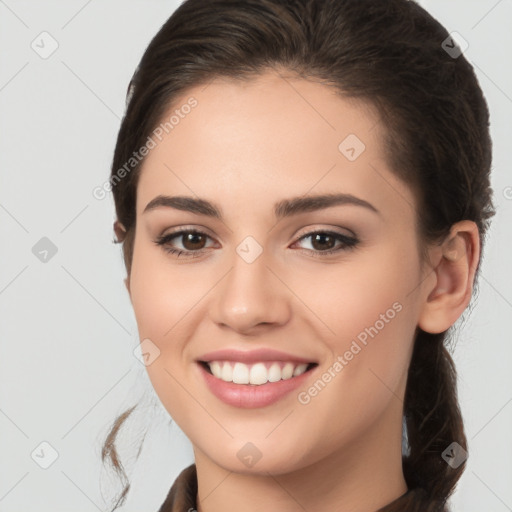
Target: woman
[(302, 193)]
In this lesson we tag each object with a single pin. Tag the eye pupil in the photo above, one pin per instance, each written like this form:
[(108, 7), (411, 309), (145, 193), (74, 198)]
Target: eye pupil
[(322, 236), (192, 237)]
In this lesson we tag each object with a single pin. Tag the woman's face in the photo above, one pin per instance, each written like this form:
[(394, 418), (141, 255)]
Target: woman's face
[(258, 276)]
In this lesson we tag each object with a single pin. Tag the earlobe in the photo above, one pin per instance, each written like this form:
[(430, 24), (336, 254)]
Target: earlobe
[(455, 269), (127, 284)]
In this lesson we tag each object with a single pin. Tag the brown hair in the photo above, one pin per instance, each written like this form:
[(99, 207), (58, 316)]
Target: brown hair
[(389, 53)]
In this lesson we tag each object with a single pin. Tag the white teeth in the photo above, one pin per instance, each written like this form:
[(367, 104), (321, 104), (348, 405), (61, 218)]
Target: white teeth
[(240, 373), (274, 373), (226, 373), (300, 369), (288, 371), (216, 368), (256, 374)]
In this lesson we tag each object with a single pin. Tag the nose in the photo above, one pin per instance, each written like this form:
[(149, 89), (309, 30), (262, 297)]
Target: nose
[(251, 296)]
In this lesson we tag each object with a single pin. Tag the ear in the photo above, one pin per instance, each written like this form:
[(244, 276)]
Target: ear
[(455, 264), (120, 231)]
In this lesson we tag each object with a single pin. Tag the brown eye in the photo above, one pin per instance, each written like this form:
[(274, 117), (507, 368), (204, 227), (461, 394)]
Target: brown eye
[(192, 242), (324, 242)]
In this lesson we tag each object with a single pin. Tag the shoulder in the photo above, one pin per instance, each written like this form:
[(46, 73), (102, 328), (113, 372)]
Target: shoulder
[(183, 492)]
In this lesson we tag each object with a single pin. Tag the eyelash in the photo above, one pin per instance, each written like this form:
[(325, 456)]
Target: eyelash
[(348, 243)]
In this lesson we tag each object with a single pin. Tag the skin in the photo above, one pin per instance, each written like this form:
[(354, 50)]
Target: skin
[(244, 147)]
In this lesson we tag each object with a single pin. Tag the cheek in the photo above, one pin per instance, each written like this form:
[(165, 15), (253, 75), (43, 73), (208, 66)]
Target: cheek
[(162, 294), (161, 298), (167, 300), (371, 316), (365, 380), (369, 291)]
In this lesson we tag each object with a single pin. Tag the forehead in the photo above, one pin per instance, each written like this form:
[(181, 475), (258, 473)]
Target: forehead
[(269, 137)]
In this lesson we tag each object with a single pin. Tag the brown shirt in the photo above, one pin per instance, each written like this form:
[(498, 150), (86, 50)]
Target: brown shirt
[(182, 495)]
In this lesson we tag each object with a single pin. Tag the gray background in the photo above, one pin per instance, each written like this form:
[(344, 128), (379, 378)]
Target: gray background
[(67, 331)]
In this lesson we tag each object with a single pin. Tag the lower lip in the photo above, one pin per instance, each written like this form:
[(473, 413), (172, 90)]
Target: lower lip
[(248, 396)]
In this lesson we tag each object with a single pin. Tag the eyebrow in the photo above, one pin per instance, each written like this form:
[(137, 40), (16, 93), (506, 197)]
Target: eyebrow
[(283, 208)]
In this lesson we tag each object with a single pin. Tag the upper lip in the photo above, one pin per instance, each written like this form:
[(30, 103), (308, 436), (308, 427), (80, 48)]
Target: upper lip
[(252, 356)]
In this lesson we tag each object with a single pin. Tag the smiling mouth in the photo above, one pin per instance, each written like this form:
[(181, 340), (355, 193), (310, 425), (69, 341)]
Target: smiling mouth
[(255, 374)]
